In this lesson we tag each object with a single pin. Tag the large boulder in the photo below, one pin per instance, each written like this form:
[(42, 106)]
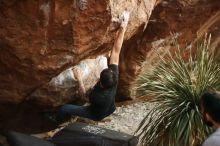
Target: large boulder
[(40, 39)]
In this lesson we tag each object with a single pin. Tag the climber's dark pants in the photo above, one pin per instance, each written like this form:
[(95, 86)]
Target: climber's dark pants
[(82, 111)]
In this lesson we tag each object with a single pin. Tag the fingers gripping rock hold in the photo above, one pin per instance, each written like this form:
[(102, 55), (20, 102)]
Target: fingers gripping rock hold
[(125, 18)]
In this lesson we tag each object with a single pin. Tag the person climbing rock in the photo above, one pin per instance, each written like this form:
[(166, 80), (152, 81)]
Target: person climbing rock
[(102, 96), (210, 108), (59, 90)]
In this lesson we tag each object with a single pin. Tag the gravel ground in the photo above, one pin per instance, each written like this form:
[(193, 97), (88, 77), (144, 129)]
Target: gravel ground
[(127, 118)]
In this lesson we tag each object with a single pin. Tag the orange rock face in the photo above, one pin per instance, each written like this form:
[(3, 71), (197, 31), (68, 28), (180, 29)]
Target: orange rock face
[(41, 38)]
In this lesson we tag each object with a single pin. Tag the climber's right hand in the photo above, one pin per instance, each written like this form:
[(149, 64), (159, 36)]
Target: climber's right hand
[(125, 18)]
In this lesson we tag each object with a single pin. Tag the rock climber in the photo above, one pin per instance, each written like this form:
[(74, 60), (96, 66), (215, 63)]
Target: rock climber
[(210, 107), (102, 96)]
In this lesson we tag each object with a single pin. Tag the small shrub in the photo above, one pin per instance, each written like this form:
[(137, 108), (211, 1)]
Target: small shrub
[(177, 83)]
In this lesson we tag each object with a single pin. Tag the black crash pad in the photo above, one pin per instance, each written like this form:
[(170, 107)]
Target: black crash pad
[(80, 134)]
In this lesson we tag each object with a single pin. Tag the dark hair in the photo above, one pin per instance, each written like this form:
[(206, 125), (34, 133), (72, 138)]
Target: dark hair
[(210, 102), (108, 78)]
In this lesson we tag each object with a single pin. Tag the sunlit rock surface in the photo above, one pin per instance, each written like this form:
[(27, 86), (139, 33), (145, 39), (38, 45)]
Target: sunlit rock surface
[(40, 39)]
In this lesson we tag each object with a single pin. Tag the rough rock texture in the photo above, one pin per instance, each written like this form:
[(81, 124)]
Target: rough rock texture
[(186, 21), (41, 38)]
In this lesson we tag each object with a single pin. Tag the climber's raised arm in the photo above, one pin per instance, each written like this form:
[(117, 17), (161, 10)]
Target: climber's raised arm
[(102, 95), (114, 57)]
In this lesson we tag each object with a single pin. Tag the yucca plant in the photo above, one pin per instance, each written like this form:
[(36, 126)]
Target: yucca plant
[(177, 84)]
